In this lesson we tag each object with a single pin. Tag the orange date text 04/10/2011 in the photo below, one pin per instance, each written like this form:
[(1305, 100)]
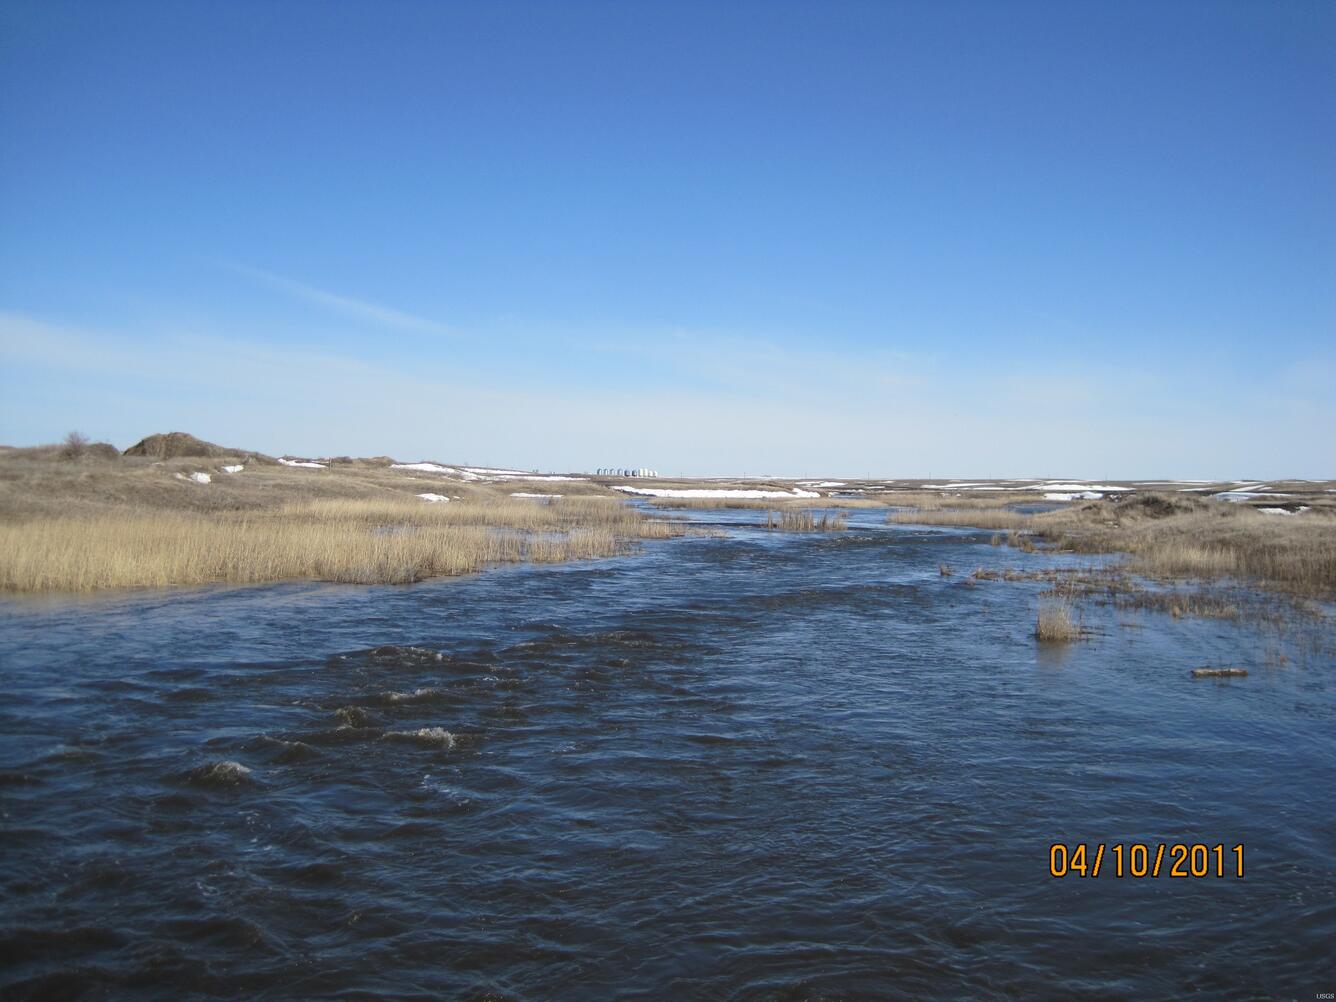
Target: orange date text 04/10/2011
[(1141, 859)]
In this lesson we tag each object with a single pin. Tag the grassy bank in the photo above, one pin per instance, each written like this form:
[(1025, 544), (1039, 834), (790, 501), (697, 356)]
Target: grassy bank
[(1177, 537), (361, 542), (100, 522)]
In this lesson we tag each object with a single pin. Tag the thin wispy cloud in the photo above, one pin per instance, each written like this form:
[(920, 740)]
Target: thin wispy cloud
[(121, 384), (359, 309)]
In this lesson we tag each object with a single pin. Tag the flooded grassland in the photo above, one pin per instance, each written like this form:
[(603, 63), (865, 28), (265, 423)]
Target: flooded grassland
[(744, 763)]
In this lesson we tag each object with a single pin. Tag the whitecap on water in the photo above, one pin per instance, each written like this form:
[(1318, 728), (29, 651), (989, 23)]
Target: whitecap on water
[(226, 773), (411, 697), (435, 737)]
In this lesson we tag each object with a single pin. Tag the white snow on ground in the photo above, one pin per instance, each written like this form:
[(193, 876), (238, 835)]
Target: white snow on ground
[(1282, 511), (1170, 483), (522, 494), (535, 476), (1053, 486), (1245, 495), (201, 478), (1041, 485), (476, 472), (822, 483), (308, 466), (448, 471), (1072, 495), (233, 469), (667, 492), (433, 498)]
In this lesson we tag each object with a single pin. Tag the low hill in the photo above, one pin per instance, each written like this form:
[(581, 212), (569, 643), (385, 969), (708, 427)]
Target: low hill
[(176, 444)]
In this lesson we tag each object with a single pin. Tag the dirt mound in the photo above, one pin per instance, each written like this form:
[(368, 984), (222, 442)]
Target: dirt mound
[(1158, 505), (178, 443)]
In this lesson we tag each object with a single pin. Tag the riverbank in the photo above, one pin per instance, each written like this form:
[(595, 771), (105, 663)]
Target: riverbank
[(99, 523), (1179, 537)]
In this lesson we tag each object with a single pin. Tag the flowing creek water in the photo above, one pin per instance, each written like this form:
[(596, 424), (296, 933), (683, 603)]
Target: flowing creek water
[(753, 765)]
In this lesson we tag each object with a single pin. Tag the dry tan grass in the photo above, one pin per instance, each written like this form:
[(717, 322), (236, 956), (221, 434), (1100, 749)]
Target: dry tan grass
[(1055, 623), (140, 521), (805, 521), (1176, 536), (943, 500), (364, 541), (979, 518), (755, 504), (1172, 537), (1178, 604)]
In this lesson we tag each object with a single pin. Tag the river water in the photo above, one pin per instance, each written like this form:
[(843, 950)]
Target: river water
[(747, 766)]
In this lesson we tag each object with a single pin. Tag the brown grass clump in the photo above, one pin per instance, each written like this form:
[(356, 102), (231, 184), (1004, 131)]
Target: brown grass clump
[(1055, 623), (804, 520), (1020, 541)]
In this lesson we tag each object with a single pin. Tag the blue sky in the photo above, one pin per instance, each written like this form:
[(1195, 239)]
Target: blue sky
[(902, 239)]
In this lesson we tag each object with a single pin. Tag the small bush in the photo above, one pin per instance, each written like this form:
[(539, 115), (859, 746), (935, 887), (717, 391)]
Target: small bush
[(74, 446)]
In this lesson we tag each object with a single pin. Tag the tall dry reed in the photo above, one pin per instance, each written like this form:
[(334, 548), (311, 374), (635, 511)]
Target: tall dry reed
[(360, 542)]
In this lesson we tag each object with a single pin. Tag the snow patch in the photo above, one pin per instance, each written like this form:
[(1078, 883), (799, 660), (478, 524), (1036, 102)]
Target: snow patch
[(448, 471), (1035, 485), (1072, 495), (433, 498), (233, 469), (305, 466), (522, 494), (1248, 495)]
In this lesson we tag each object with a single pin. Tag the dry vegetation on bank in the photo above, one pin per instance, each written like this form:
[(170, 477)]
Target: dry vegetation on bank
[(940, 501), (94, 523), (758, 504), (980, 518), (1179, 537), (357, 542)]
